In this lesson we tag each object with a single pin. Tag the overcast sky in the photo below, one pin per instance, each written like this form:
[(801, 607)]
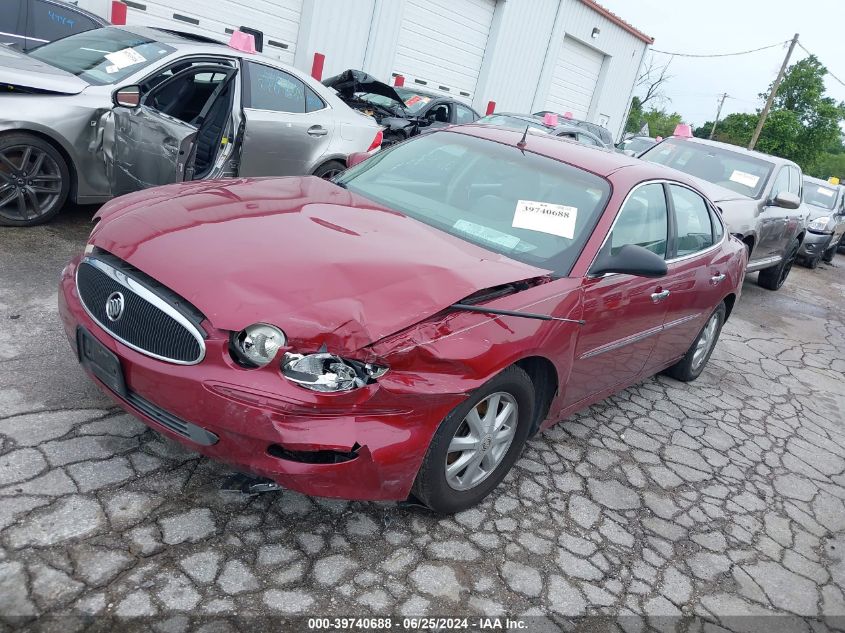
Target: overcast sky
[(725, 26)]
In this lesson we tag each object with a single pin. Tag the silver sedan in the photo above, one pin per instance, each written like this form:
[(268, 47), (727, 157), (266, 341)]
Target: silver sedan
[(115, 110)]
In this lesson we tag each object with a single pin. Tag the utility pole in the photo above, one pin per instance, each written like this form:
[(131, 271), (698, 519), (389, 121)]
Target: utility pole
[(718, 112), (775, 86)]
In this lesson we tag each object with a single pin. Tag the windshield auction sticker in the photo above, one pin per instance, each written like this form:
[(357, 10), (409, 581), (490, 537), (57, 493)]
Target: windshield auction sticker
[(744, 178), (125, 58), (545, 217)]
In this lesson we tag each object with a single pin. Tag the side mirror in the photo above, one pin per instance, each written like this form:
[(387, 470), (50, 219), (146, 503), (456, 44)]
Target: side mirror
[(356, 158), (787, 200), (630, 260), (127, 97)]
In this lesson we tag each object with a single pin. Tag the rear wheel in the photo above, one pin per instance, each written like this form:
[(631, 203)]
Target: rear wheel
[(477, 443), (34, 180), (329, 170), (773, 278), (695, 360)]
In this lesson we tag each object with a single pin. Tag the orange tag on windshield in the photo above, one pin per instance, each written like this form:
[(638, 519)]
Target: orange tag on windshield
[(413, 100)]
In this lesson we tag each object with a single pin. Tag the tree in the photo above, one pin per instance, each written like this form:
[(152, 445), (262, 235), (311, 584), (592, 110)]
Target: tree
[(803, 124), (651, 82)]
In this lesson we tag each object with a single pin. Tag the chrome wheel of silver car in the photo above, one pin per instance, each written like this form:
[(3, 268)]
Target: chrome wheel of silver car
[(481, 441), (705, 341), (30, 183)]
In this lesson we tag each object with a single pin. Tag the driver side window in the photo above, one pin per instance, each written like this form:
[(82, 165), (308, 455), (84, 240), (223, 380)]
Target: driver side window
[(643, 221), (439, 113)]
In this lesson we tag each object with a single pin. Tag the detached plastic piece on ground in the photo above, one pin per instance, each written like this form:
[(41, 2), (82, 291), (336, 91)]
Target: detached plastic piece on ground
[(244, 42), (683, 130), (248, 485), (550, 119)]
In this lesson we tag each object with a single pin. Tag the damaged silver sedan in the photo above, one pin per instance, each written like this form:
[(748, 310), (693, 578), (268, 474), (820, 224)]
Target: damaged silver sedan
[(115, 110)]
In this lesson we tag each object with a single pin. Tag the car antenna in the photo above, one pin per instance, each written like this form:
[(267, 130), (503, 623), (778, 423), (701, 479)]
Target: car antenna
[(524, 315), (522, 143)]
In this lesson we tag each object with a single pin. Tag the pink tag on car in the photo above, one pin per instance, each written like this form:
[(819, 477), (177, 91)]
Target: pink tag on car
[(550, 119)]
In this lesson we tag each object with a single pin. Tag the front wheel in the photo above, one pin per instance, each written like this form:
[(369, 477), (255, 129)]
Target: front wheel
[(773, 278), (477, 443), (692, 364), (829, 253), (34, 180)]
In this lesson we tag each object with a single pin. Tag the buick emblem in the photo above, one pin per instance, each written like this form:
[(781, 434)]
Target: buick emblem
[(114, 306)]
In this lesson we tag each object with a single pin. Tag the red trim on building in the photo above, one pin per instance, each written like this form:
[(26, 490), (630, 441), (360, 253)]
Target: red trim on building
[(618, 21)]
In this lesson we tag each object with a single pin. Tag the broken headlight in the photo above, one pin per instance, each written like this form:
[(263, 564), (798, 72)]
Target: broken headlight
[(819, 224), (328, 373), (257, 345)]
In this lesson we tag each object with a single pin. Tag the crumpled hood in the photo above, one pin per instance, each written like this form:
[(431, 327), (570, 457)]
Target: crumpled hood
[(325, 265), (351, 81), (20, 70)]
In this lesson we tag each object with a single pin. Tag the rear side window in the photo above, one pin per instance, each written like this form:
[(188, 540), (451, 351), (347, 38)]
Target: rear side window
[(463, 115), (51, 22), (269, 88), (718, 227), (692, 218), (312, 101), (643, 221)]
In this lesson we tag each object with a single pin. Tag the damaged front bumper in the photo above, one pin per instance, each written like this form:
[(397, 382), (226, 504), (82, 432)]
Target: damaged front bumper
[(814, 244), (367, 444)]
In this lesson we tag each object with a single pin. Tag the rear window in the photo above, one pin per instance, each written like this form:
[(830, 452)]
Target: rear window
[(102, 56), (516, 123), (735, 171), (526, 206), (819, 195)]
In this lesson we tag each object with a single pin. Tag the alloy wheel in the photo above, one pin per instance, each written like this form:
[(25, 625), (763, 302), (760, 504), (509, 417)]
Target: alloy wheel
[(30, 182), (481, 441), (705, 342)]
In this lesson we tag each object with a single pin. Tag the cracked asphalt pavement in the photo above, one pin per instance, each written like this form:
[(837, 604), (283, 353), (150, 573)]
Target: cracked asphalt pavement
[(721, 499)]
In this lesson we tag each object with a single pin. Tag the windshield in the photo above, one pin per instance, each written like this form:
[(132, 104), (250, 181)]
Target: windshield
[(528, 207), (414, 101), (637, 145), (819, 195), (738, 172), (516, 123), (102, 56)]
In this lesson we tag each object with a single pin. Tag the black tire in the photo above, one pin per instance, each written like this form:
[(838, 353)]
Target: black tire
[(43, 192), (773, 278), (827, 257), (431, 486), (812, 262), (329, 170), (689, 368)]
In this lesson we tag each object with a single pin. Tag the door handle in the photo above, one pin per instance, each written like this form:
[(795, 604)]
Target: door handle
[(657, 297), (317, 130), (717, 279)]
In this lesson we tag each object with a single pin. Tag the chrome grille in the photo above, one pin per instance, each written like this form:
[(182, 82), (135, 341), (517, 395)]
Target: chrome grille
[(150, 322)]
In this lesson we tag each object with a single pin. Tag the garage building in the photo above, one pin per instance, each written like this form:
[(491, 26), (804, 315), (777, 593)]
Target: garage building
[(524, 55)]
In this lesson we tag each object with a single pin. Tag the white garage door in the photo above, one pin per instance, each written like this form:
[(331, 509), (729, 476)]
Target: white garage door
[(441, 44), (277, 19), (574, 78)]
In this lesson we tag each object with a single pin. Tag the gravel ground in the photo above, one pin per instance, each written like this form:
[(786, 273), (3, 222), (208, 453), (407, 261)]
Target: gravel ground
[(721, 499)]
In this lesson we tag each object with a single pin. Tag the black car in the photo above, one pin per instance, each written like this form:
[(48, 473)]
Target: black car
[(602, 132), (404, 112), (25, 24)]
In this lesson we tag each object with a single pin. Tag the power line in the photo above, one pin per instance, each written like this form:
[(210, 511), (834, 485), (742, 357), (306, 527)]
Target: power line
[(753, 50), (828, 72)]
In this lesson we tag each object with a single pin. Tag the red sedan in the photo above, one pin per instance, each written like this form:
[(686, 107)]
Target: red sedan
[(400, 332)]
